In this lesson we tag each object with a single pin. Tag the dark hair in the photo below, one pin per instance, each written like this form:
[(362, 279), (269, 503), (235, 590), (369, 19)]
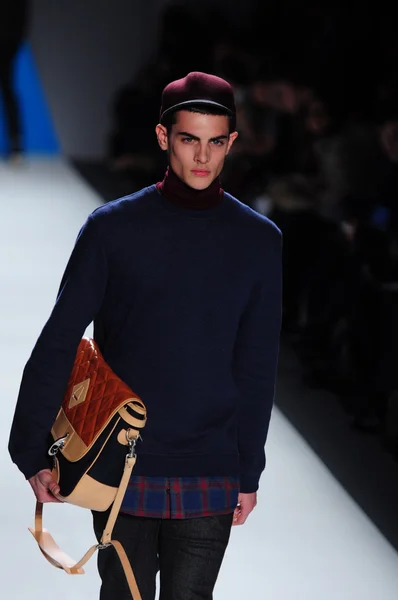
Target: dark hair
[(171, 118)]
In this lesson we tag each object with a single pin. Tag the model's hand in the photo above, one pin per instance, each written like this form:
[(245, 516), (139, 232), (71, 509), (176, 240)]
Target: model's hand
[(44, 486), (246, 503)]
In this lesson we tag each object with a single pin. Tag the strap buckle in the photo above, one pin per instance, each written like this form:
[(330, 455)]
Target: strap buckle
[(103, 546), (57, 445), (132, 442)]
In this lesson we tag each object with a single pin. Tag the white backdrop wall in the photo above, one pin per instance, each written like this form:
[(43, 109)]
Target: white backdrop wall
[(84, 51)]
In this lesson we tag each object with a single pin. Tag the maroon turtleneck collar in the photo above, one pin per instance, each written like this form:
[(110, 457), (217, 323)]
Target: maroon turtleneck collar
[(180, 194)]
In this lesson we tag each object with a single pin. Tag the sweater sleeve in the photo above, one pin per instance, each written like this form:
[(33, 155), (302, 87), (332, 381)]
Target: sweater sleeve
[(47, 371), (255, 365)]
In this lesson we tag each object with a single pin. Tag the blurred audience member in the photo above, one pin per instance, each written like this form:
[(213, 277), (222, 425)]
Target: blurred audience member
[(13, 29), (133, 151), (294, 210)]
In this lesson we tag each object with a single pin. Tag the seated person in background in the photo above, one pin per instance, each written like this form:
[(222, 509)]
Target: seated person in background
[(133, 152)]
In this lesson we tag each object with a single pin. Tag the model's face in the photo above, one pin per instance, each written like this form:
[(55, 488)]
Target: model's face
[(197, 147)]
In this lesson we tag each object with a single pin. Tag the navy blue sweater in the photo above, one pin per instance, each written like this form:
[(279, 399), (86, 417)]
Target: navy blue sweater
[(186, 307)]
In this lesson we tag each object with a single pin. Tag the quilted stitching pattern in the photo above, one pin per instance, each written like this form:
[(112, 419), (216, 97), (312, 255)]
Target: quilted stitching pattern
[(106, 392)]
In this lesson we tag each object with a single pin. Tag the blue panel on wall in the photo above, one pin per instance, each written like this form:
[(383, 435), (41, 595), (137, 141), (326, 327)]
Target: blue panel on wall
[(39, 136)]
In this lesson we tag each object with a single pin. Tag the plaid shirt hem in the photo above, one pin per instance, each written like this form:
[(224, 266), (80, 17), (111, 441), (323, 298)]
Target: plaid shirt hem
[(180, 497)]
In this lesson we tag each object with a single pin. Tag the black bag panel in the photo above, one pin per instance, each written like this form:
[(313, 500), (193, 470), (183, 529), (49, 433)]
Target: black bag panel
[(107, 469)]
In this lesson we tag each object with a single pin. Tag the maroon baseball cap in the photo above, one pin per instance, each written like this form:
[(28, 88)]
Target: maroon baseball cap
[(198, 89)]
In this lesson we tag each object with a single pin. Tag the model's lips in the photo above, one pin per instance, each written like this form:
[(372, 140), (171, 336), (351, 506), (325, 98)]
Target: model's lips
[(200, 172)]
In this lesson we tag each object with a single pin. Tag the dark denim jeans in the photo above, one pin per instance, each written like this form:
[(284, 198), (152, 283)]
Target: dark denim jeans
[(188, 553)]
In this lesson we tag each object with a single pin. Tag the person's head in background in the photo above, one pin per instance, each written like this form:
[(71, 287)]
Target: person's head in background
[(197, 127), (386, 117), (272, 89), (388, 135), (317, 118), (320, 109)]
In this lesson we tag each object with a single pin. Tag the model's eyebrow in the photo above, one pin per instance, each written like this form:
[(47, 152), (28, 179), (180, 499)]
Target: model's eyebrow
[(195, 137)]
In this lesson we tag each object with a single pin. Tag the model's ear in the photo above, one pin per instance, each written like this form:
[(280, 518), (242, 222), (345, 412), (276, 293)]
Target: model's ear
[(232, 138), (161, 133)]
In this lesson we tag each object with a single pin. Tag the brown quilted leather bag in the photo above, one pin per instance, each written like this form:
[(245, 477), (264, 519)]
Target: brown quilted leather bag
[(93, 448)]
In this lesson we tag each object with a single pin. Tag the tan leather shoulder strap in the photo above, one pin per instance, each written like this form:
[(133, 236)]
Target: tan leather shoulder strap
[(107, 534), (128, 571), (59, 559)]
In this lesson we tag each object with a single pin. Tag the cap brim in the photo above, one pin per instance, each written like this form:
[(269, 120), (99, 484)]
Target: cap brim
[(187, 103)]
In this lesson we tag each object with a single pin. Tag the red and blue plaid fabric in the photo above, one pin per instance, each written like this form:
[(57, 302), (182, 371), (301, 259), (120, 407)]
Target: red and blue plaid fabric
[(180, 497)]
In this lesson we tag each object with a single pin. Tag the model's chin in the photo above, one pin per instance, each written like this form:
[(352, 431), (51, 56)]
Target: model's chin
[(195, 185)]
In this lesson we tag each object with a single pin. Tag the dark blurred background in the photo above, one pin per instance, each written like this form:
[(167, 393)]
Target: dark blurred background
[(317, 153), (316, 90)]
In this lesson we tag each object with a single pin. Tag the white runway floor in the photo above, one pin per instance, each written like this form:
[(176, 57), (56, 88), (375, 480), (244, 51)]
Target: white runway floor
[(307, 539)]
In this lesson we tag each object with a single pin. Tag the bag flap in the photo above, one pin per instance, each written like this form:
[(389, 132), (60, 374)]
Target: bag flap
[(94, 394), (74, 448)]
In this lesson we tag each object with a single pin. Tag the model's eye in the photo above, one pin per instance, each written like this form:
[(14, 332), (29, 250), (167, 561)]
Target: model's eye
[(187, 140), (218, 142)]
